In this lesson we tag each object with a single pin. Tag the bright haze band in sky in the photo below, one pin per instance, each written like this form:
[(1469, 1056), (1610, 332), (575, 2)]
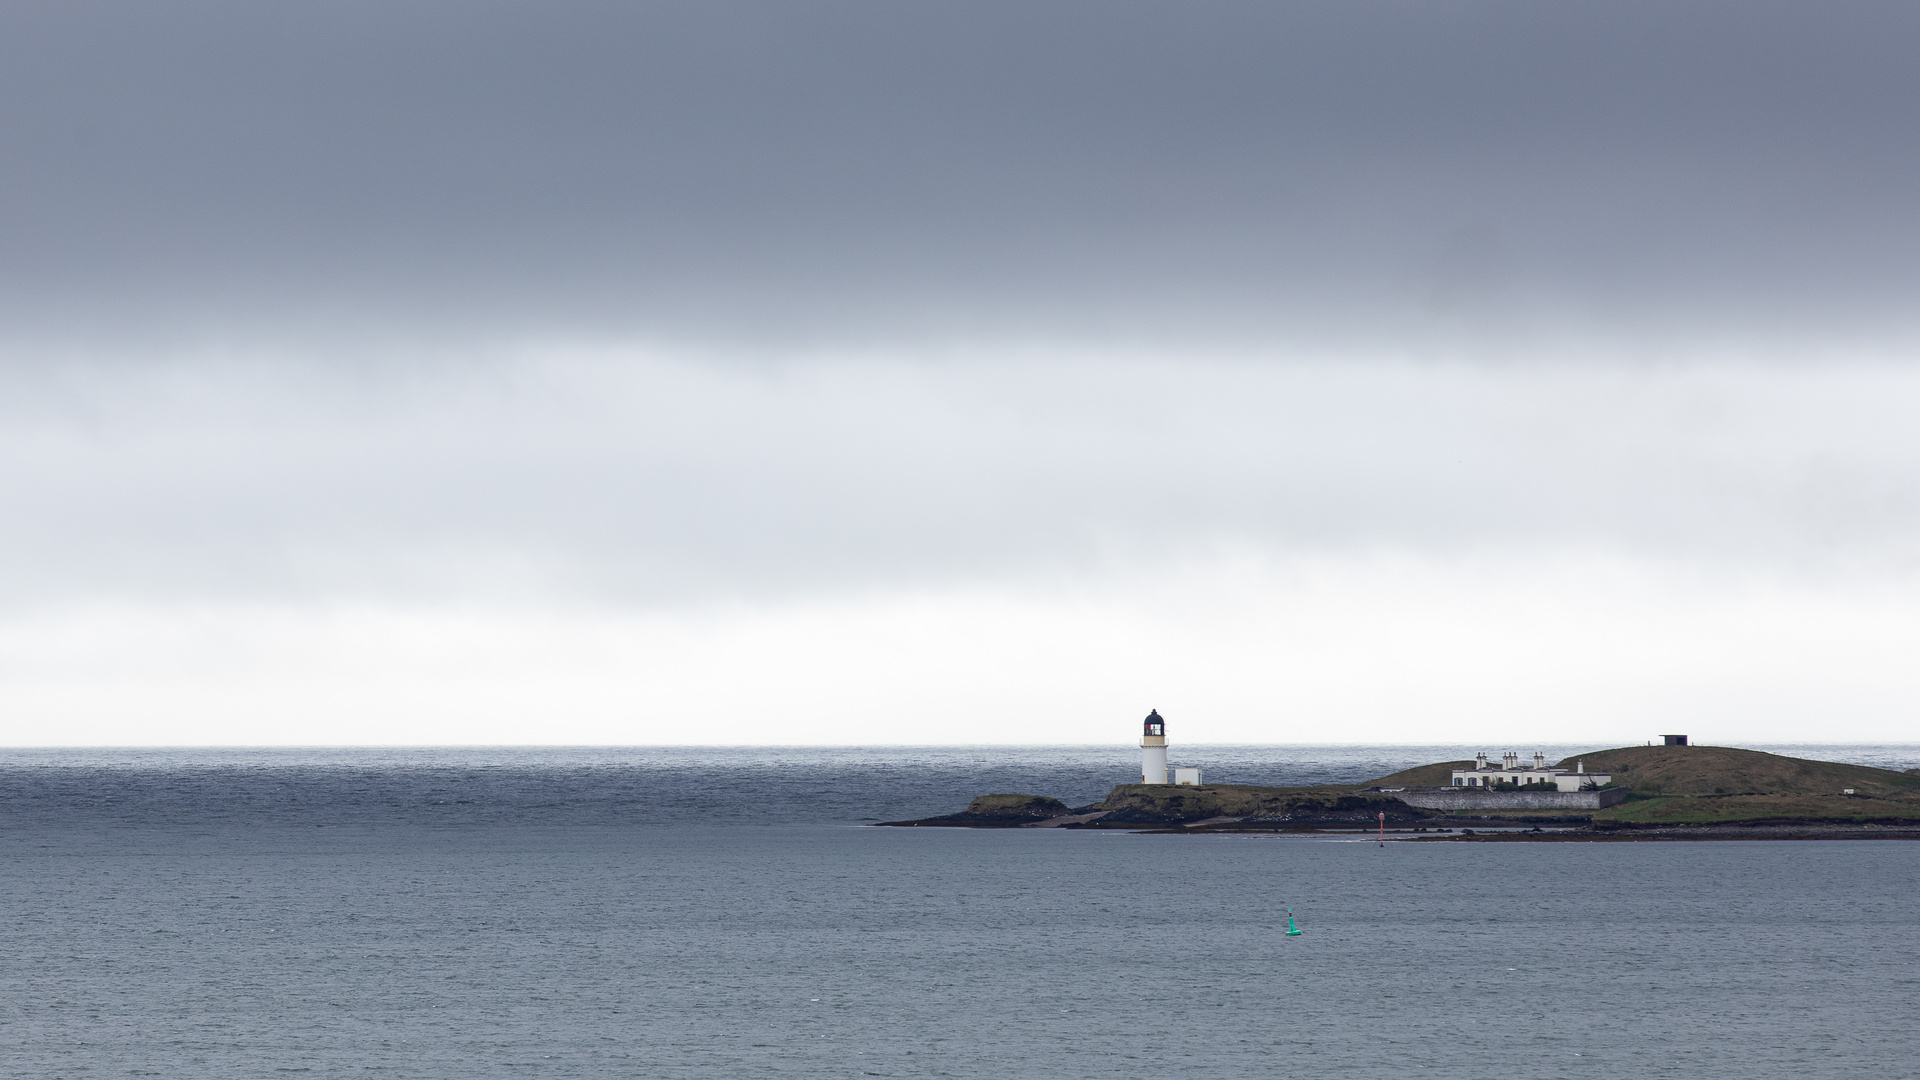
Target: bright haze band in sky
[(987, 372)]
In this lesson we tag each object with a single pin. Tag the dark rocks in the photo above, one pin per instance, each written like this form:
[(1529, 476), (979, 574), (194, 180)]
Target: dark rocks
[(1210, 808), (1021, 808), (998, 812)]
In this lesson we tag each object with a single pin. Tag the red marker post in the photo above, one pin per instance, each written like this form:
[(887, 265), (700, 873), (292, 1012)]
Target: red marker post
[(1383, 830)]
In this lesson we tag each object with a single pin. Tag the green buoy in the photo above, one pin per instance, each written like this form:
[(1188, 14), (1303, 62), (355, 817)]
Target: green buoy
[(1292, 930)]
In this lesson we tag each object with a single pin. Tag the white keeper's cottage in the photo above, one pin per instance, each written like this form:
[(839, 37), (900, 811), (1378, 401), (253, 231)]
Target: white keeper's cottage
[(1538, 775)]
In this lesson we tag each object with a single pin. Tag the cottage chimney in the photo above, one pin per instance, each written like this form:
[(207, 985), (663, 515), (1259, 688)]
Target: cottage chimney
[(1539, 760), (1480, 760)]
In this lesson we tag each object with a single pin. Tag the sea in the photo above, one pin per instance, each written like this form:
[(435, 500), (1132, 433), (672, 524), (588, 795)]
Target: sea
[(464, 913)]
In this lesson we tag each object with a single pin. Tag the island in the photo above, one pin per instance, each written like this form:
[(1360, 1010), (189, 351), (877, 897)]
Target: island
[(1654, 793)]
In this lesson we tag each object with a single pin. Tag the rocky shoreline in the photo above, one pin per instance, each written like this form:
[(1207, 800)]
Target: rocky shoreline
[(1147, 807)]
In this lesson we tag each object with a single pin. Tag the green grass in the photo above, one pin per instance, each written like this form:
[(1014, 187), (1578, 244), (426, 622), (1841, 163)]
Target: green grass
[(1726, 770)]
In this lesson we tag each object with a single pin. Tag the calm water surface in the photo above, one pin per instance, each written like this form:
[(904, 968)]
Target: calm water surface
[(454, 914)]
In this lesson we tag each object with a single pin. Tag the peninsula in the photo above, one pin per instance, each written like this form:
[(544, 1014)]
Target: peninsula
[(1655, 792)]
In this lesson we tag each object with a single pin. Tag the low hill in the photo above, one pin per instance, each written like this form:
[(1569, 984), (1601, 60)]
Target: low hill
[(1702, 770), (1721, 784), (1725, 770)]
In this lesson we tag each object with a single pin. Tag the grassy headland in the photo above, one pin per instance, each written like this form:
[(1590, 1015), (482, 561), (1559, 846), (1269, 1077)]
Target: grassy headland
[(1674, 785)]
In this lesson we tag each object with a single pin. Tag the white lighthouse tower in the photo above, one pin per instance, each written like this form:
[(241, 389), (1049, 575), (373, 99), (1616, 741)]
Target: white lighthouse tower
[(1153, 750)]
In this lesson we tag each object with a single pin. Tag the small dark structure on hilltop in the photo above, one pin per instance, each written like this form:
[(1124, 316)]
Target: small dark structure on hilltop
[(1675, 740)]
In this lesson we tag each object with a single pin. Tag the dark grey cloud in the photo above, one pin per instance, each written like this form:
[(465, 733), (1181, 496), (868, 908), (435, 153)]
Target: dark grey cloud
[(1383, 171), (358, 247)]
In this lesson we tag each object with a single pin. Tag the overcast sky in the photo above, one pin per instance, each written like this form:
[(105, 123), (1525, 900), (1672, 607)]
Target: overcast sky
[(988, 372)]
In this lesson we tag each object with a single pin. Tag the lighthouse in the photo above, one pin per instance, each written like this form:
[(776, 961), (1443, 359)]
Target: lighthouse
[(1153, 750)]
